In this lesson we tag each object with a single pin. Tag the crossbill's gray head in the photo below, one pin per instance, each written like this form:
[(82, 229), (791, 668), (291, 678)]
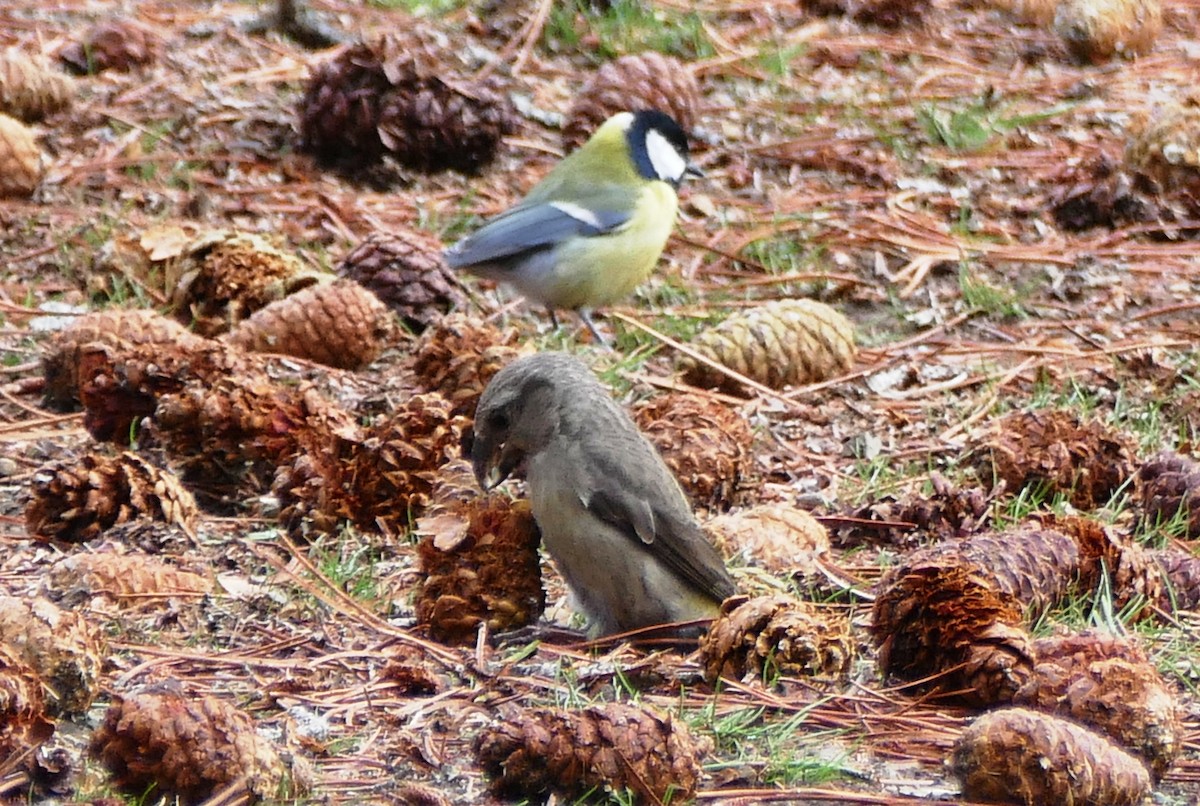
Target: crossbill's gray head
[(521, 411)]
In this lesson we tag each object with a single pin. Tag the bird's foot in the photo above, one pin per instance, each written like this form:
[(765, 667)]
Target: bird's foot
[(586, 316)]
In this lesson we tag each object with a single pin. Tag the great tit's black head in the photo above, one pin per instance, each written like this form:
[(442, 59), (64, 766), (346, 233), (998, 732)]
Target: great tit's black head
[(519, 413), (659, 147)]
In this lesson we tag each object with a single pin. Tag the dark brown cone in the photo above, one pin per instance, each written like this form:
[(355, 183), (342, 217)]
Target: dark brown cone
[(60, 646), (119, 45), (339, 324), (1055, 450), (1037, 567), (632, 83), (1182, 572), (406, 270), (1168, 487), (126, 578), (77, 499), (1014, 755), (29, 88), (770, 635), (379, 479), (226, 276), (939, 613), (60, 358), (1106, 555), (339, 115), (188, 746), (884, 13), (232, 433), (1109, 684), (120, 384), (949, 512), (23, 721), (480, 564), (458, 357), (537, 751), (706, 446)]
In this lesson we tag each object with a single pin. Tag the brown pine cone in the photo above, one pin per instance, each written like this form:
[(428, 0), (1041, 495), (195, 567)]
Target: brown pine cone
[(126, 578), (60, 646), (480, 563), (1168, 487), (23, 721), (1110, 558), (631, 83), (537, 751), (781, 342), (223, 277), (189, 746), (949, 512), (1014, 755), (29, 88), (1030, 12), (77, 499), (112, 45), (705, 444), (115, 327), (1057, 451), (779, 538), (775, 635), (941, 614), (21, 160), (1182, 571), (406, 270), (1109, 684), (458, 357), (339, 324), (1097, 30), (1164, 144), (339, 114)]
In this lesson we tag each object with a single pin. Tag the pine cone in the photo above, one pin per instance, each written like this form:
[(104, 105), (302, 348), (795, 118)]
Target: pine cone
[(1030, 12), (77, 499), (631, 83), (950, 512), (1107, 556), (407, 272), (1168, 487), (223, 277), (60, 646), (480, 564), (1164, 144), (778, 538), (339, 115), (770, 635), (230, 434), (1018, 756), (133, 578), (23, 721), (1109, 684), (458, 357), (782, 342), (188, 746), (60, 359), (1097, 30), (29, 88), (940, 613), (380, 479), (1056, 451), (112, 45), (536, 751), (706, 446), (122, 383), (1182, 571), (1100, 192), (339, 324), (21, 161)]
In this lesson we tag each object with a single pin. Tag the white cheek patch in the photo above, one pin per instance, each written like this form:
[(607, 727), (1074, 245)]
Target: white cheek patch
[(580, 214), (668, 163)]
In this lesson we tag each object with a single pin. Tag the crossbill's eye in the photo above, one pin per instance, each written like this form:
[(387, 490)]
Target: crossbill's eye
[(498, 422)]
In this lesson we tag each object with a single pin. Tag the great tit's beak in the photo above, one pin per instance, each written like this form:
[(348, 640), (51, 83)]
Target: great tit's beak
[(692, 169)]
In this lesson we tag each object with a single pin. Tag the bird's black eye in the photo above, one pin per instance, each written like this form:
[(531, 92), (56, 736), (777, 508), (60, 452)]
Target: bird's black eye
[(498, 422)]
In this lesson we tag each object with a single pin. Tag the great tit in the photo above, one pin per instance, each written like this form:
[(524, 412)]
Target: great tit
[(612, 516), (594, 227)]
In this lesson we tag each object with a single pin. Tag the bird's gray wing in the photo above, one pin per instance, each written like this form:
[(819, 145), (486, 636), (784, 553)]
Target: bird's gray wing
[(527, 228), (627, 501)]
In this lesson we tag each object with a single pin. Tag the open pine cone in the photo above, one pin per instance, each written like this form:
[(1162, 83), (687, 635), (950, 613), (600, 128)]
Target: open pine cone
[(23, 721), (1168, 487), (61, 646), (29, 88), (632, 83), (458, 357), (127, 578), (21, 160)]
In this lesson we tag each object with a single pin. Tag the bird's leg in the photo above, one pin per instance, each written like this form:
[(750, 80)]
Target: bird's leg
[(586, 316), (553, 318), (293, 19)]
